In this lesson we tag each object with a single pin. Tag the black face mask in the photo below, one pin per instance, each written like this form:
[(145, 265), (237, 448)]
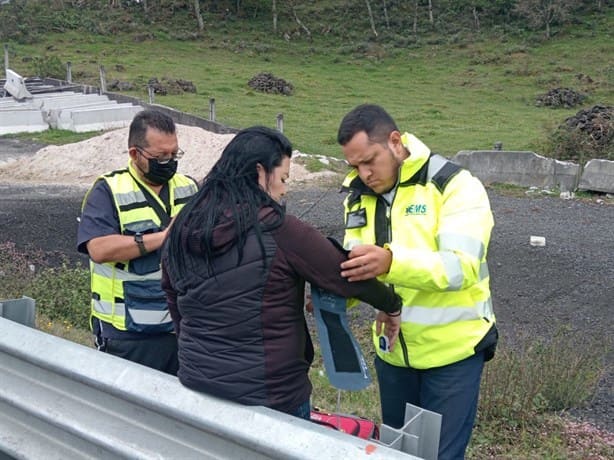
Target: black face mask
[(159, 174)]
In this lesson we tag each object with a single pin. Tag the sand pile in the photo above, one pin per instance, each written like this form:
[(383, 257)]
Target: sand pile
[(80, 163)]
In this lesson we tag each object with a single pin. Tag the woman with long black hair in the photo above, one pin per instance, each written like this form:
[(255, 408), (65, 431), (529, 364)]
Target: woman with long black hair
[(234, 269)]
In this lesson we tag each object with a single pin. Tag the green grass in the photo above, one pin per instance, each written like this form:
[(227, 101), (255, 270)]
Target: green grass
[(454, 97), (54, 136)]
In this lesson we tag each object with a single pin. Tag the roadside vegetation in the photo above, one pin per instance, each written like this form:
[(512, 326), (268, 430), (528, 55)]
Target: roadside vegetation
[(462, 81)]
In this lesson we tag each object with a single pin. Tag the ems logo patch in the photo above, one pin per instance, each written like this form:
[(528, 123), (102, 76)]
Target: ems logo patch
[(415, 210)]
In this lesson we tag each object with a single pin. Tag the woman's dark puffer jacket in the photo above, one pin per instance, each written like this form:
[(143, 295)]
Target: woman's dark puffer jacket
[(242, 333)]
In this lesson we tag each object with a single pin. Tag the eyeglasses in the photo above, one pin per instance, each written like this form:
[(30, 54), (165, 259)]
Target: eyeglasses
[(160, 159)]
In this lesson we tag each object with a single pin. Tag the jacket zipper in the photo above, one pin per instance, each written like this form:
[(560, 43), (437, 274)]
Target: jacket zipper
[(389, 231)]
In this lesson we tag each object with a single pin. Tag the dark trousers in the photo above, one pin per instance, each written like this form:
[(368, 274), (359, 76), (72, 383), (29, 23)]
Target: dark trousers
[(303, 411), (451, 391), (158, 352)]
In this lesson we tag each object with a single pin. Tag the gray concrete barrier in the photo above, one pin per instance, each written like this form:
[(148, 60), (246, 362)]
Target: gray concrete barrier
[(528, 169), (22, 121), (15, 85), (598, 175), (98, 118)]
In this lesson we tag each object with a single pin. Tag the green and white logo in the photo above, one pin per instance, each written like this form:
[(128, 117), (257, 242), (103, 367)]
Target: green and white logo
[(415, 210)]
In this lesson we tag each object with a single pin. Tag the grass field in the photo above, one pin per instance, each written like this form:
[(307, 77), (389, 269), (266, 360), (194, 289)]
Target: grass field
[(453, 96)]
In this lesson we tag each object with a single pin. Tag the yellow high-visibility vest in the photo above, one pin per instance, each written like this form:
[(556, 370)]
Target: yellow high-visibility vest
[(128, 294), (438, 228)]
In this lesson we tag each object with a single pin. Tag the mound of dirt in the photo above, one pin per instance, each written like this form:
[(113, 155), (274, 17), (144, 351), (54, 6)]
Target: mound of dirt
[(560, 97), (82, 162), (596, 123), (268, 83)]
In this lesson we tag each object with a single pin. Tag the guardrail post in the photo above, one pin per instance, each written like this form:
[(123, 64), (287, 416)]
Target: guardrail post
[(19, 310), (103, 80), (69, 72), (150, 92), (280, 122), (418, 436), (212, 109)]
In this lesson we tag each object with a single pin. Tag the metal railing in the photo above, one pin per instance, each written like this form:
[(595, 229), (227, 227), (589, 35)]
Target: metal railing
[(59, 399)]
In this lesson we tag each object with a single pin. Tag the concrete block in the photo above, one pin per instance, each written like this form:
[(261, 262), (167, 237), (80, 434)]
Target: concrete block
[(566, 175), (53, 116), (97, 119), (72, 101), (10, 103), (525, 169), (22, 121), (598, 176), (15, 85)]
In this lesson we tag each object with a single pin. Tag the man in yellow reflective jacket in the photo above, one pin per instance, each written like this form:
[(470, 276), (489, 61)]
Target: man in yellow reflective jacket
[(124, 221), (422, 224)]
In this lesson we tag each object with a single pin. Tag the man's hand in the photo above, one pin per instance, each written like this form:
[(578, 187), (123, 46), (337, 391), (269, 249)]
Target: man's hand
[(391, 326), (366, 261)]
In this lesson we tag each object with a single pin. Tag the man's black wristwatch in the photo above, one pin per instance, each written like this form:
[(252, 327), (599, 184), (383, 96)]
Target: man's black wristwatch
[(138, 238)]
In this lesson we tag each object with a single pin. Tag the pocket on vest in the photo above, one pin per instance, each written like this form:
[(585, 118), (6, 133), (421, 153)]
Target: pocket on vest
[(148, 263), (146, 308)]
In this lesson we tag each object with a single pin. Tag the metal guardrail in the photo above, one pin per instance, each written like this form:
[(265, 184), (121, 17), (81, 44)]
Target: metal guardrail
[(62, 400)]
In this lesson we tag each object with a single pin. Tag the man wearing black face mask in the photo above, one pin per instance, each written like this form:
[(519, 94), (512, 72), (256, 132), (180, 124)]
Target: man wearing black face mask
[(124, 220)]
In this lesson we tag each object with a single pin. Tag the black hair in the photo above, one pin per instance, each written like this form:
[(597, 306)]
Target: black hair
[(148, 119), (370, 118), (230, 192)]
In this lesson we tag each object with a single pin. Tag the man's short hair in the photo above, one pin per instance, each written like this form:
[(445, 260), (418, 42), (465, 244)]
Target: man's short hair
[(370, 118), (148, 119)]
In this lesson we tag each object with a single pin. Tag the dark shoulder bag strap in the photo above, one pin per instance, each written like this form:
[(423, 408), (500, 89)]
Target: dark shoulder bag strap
[(161, 212)]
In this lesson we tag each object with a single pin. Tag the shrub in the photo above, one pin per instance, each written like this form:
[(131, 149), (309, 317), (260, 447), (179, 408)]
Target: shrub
[(587, 135), (17, 269), (62, 293), (49, 66), (545, 375)]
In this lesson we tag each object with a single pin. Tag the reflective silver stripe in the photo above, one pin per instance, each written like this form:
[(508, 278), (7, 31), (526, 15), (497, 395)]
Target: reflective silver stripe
[(150, 316), (138, 316), (185, 191), (109, 272), (484, 273), (485, 309), (436, 162), (106, 308), (454, 270), (438, 315), (130, 197), (462, 243)]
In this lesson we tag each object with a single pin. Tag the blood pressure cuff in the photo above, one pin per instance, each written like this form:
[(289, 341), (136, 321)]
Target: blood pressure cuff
[(344, 362)]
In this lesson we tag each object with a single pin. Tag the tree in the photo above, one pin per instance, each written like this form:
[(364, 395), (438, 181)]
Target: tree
[(371, 18), (199, 17), (431, 18), (544, 13)]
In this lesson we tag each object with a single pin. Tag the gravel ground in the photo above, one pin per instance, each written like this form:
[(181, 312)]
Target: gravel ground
[(569, 281)]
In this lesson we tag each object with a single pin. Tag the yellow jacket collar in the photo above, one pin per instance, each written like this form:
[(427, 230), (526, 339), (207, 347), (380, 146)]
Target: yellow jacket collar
[(418, 155)]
